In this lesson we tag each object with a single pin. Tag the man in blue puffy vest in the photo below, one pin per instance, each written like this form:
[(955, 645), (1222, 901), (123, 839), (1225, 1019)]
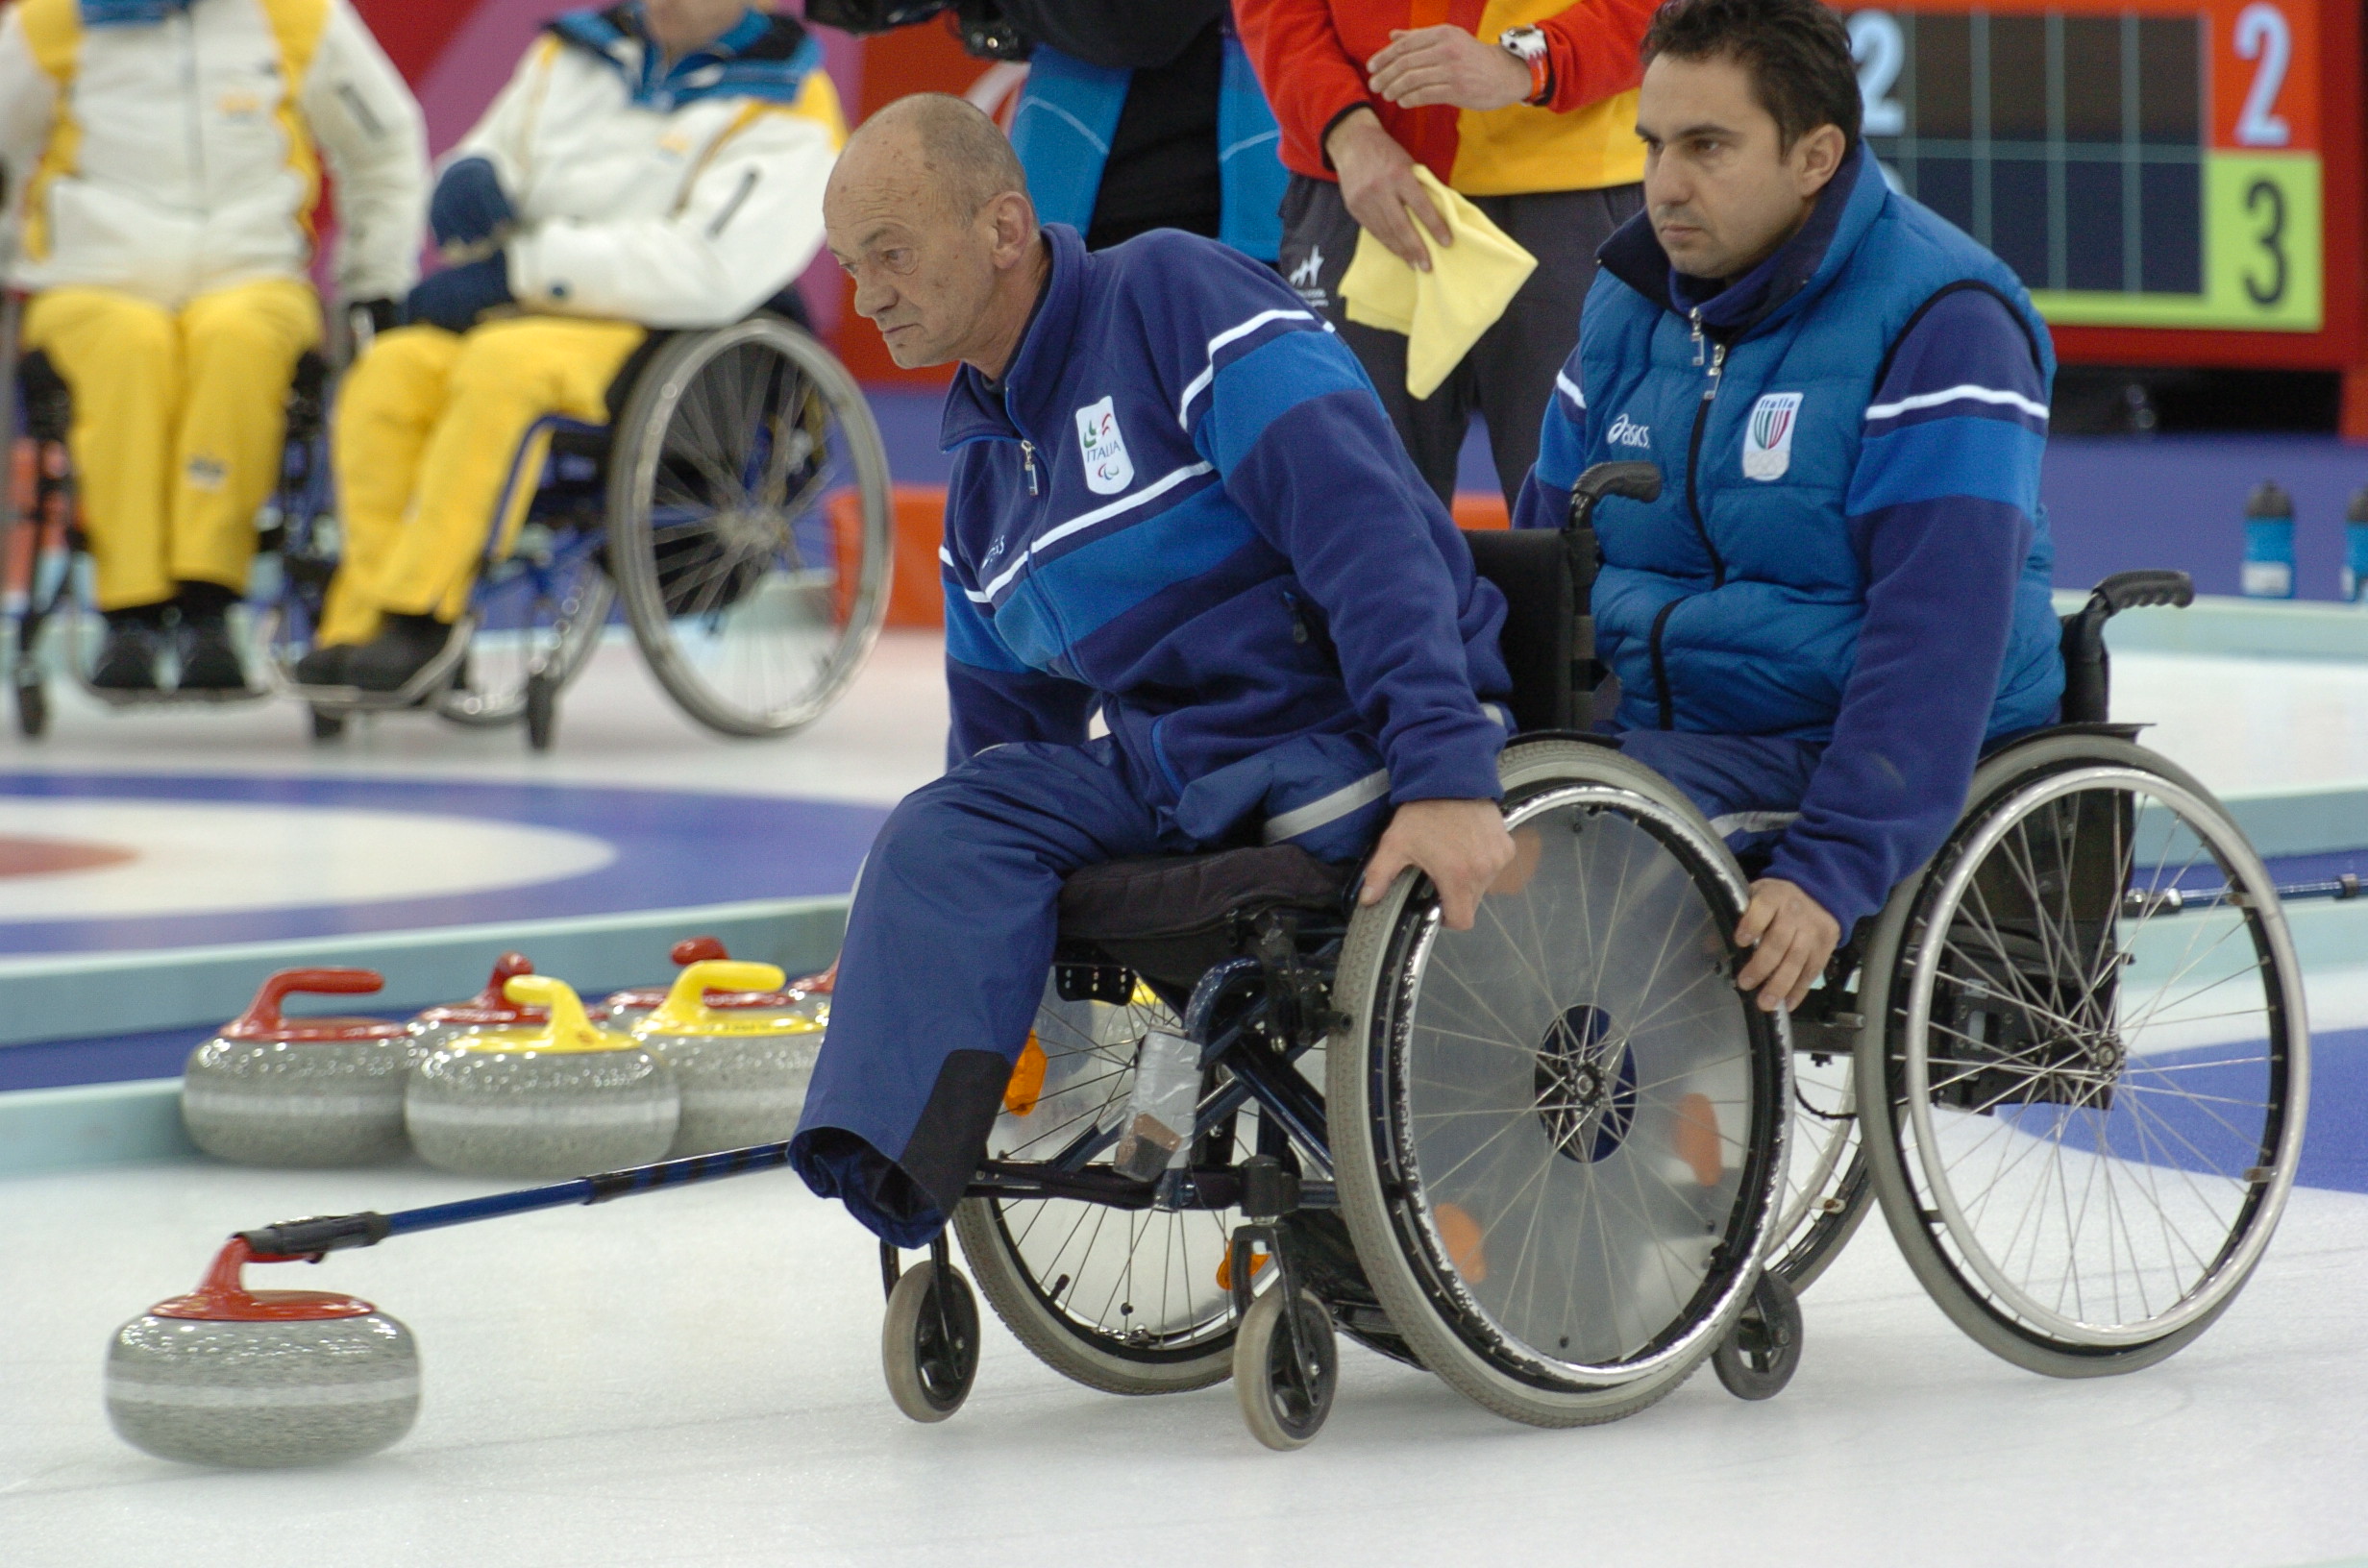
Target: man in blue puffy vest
[(1842, 593), (1176, 505)]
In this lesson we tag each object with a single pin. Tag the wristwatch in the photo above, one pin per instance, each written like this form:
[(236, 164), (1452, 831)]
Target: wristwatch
[(1527, 44)]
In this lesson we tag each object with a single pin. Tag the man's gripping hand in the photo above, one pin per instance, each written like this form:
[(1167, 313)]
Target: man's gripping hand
[(1379, 188), (1461, 846), (1791, 936)]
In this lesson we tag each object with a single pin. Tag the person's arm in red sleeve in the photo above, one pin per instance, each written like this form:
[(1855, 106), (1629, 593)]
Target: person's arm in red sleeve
[(1309, 78), (1592, 50)]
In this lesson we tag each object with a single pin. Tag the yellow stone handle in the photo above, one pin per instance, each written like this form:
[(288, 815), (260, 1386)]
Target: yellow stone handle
[(569, 1028), (684, 1011)]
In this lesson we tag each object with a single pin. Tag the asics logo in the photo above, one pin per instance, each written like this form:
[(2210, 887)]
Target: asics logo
[(1627, 432)]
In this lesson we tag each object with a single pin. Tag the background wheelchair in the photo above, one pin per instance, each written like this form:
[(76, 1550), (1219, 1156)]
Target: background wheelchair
[(40, 530), (737, 511), (1560, 1160)]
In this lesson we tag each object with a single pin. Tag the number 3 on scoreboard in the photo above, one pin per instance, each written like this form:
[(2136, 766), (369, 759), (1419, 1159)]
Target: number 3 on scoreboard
[(2266, 202)]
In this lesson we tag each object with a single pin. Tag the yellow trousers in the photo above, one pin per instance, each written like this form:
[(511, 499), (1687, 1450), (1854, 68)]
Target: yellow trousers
[(435, 448), (178, 421)]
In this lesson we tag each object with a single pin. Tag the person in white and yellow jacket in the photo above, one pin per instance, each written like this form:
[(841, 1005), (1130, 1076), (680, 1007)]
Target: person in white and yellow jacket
[(163, 163), (654, 166)]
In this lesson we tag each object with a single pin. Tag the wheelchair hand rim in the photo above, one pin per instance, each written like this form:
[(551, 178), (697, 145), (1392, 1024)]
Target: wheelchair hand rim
[(1729, 1273)]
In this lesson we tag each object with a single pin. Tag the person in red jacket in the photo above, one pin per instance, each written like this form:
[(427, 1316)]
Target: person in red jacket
[(1526, 107)]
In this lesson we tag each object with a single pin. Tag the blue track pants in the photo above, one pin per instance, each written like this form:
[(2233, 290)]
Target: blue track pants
[(950, 938), (1749, 785)]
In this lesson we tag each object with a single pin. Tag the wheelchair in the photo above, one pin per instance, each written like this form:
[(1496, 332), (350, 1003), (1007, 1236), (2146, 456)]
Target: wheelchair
[(737, 512), (737, 509), (1559, 1161), (53, 552)]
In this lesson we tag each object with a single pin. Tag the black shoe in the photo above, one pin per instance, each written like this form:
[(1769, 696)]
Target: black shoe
[(326, 666), (128, 662), (406, 644), (209, 658)]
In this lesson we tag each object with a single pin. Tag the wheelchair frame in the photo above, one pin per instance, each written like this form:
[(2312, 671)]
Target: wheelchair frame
[(1260, 1012)]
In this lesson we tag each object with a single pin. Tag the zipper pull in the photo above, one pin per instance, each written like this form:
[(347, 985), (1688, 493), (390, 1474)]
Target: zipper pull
[(1027, 459), (1719, 359), (1695, 318)]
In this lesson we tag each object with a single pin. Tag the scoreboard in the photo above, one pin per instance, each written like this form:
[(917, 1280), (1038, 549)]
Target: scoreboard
[(2176, 180)]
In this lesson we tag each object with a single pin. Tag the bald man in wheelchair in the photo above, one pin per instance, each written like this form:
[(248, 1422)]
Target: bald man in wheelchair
[(652, 166)]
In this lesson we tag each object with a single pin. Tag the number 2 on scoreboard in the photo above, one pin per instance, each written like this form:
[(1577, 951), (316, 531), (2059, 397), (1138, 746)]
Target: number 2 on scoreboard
[(2264, 33)]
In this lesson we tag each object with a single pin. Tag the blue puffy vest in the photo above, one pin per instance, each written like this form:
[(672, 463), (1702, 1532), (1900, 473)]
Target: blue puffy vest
[(1732, 604)]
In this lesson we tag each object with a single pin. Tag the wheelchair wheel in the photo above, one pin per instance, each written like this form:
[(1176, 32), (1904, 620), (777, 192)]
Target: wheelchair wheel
[(1761, 1352), (748, 526), (2085, 1105), (929, 1342), (31, 706), (1129, 1302), (540, 614), (1826, 1190), (1559, 1136), (1284, 1403)]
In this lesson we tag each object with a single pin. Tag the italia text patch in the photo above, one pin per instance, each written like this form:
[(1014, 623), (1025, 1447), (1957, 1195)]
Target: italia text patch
[(1767, 440), (1108, 470)]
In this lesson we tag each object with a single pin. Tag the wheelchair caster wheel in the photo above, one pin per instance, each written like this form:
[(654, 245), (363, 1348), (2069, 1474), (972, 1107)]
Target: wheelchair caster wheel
[(1761, 1352), (1284, 1380), (32, 709), (327, 725), (542, 710), (929, 1345)]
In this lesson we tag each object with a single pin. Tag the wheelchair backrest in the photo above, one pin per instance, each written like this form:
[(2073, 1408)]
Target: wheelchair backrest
[(1543, 611)]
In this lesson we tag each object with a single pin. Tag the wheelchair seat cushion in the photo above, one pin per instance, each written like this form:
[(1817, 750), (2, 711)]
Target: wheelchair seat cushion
[(1170, 918)]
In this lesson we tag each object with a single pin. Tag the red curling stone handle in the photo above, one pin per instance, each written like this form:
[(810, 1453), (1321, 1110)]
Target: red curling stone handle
[(262, 1015), (223, 1297)]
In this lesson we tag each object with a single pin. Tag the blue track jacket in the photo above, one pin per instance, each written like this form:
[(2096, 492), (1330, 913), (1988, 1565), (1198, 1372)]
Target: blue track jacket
[(1184, 506)]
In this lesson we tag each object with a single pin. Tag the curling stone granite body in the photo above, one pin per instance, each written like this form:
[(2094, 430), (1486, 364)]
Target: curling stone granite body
[(281, 1390), (561, 1100), (300, 1091), (741, 1067)]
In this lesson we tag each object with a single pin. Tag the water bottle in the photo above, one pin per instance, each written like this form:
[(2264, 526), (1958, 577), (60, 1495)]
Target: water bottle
[(1158, 1132), (2269, 543), (2356, 550)]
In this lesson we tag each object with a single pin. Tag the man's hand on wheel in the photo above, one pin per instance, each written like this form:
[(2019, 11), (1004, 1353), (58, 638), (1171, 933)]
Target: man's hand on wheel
[(1461, 846), (1791, 936), (1379, 188)]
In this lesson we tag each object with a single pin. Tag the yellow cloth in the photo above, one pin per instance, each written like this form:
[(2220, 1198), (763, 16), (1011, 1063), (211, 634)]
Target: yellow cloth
[(179, 420), (432, 442), (1443, 311)]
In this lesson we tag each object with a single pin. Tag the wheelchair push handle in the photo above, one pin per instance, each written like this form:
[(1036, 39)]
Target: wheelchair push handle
[(1630, 482), (2139, 590)]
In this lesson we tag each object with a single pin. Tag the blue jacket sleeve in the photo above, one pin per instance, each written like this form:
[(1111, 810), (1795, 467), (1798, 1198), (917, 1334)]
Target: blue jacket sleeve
[(1942, 504), (1286, 415), (995, 698), (1545, 501)]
